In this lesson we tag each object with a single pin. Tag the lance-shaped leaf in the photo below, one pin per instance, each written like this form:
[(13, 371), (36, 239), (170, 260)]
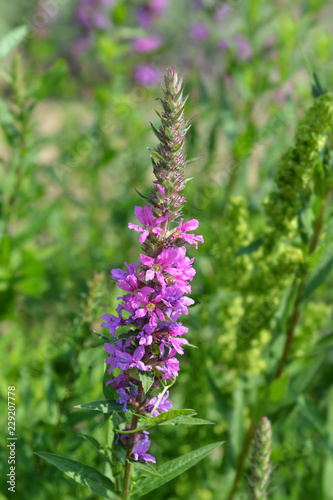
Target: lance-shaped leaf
[(102, 451), (318, 278), (113, 340), (104, 406), (10, 41), (186, 420), (144, 468), (102, 337), (82, 474), (165, 417), (174, 468)]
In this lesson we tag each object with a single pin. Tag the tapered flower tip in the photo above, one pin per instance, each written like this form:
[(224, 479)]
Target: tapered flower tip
[(265, 425), (172, 80)]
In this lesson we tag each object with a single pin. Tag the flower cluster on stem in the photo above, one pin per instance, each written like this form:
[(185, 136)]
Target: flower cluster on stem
[(155, 289), (260, 460)]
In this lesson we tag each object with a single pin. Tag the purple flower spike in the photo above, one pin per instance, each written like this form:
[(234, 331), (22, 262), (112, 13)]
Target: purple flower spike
[(156, 289)]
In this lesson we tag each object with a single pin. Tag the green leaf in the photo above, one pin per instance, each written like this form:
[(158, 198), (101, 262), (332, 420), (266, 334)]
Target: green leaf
[(318, 278), (82, 474), (168, 415), (104, 338), (105, 406), (175, 467), (141, 195), (219, 400), (252, 247), (278, 387), (147, 380), (328, 463), (113, 340), (317, 89), (186, 420), (303, 226), (236, 421), (311, 413), (320, 181), (144, 468), (102, 451), (12, 134), (108, 390), (325, 342), (10, 41), (51, 81)]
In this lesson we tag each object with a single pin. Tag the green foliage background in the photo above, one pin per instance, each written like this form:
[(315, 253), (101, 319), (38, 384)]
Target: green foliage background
[(73, 150)]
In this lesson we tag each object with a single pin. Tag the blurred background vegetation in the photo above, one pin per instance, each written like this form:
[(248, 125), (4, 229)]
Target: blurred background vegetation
[(77, 98)]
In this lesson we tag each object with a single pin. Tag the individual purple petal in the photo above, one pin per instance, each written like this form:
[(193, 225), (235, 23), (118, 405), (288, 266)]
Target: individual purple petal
[(191, 225), (138, 353), (144, 236)]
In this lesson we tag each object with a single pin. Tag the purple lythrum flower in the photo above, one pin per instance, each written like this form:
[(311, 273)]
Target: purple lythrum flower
[(156, 287)]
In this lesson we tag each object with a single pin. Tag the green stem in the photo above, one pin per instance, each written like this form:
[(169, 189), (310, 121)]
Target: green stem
[(161, 396), (128, 466), (245, 450), (130, 446)]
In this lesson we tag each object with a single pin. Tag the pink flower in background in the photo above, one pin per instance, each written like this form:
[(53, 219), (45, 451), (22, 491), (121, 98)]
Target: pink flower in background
[(147, 14), (222, 12), (197, 4), (158, 6), (243, 48), (285, 92), (82, 45), (91, 13), (223, 44), (199, 31), (148, 44), (146, 74)]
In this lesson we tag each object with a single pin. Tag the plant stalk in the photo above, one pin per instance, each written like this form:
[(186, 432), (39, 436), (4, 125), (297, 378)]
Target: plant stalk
[(128, 466)]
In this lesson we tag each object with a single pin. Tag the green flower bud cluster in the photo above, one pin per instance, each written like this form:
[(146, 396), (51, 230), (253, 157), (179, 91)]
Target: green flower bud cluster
[(251, 287), (169, 157), (297, 166), (260, 460), (252, 282), (314, 319), (235, 229)]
